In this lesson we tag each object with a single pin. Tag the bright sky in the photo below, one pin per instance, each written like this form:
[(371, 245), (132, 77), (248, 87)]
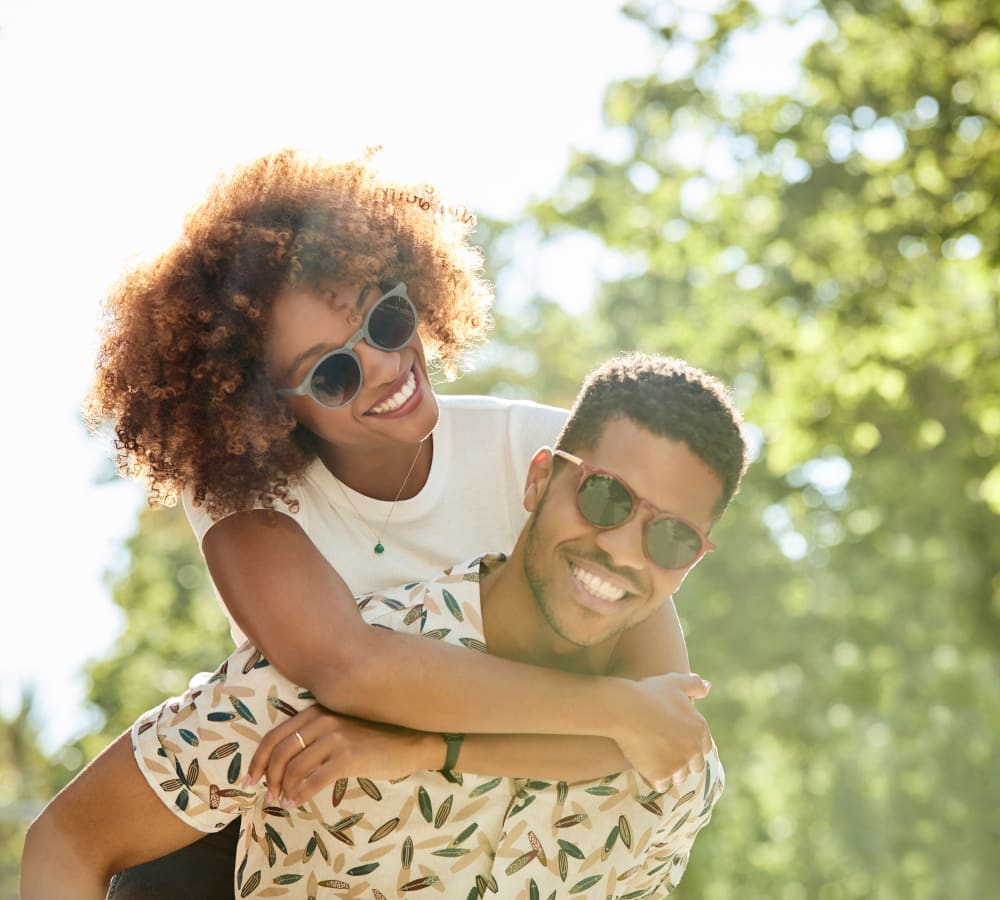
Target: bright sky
[(115, 116)]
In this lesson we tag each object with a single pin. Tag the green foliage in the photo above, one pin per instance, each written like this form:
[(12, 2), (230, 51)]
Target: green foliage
[(26, 776), (832, 252), (174, 627)]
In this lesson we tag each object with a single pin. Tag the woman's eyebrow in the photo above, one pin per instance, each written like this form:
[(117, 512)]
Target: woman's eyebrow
[(304, 355), (359, 305), (319, 348)]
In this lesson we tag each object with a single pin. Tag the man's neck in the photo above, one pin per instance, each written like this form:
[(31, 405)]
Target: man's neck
[(516, 630)]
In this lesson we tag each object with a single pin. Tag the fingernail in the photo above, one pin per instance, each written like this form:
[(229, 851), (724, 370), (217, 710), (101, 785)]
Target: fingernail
[(708, 684), (270, 797), (246, 782), (288, 803)]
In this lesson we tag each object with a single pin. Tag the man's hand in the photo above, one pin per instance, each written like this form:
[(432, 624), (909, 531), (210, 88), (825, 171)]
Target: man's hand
[(661, 733), (337, 747)]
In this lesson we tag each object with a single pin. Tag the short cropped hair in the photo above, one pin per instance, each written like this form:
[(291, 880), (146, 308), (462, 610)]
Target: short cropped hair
[(181, 374), (669, 398)]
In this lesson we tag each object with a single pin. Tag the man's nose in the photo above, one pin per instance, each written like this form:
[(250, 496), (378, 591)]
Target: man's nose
[(624, 544)]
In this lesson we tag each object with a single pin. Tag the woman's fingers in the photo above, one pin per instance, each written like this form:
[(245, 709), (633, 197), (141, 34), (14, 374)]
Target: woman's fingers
[(280, 740)]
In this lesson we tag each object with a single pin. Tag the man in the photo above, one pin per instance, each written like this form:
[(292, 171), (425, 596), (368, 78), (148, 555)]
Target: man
[(650, 456)]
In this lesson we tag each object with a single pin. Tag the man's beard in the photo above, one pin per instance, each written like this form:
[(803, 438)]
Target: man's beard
[(535, 562)]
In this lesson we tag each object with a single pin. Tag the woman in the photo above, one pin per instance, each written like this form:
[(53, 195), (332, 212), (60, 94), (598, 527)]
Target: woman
[(272, 367)]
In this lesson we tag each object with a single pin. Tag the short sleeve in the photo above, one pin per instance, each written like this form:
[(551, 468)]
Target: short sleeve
[(200, 521), (686, 809), (534, 425), (193, 750), (197, 516)]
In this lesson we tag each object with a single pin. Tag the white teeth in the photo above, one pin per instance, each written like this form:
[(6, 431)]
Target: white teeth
[(399, 398), (597, 586)]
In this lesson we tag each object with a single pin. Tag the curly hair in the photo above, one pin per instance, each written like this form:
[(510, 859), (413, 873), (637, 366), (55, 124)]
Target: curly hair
[(181, 374), (671, 399)]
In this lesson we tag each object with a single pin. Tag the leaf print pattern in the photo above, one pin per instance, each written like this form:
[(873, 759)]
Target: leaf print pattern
[(477, 838), (452, 604)]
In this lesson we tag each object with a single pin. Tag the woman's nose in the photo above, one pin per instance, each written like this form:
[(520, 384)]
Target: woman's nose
[(379, 366)]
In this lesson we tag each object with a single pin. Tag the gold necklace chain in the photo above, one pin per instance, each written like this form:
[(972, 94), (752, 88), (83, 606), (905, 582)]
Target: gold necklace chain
[(379, 548)]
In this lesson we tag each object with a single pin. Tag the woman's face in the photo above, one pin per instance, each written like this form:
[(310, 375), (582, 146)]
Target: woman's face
[(395, 403)]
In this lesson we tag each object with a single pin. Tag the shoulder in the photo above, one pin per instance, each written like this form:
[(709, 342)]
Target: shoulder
[(446, 606), (516, 417), (470, 404)]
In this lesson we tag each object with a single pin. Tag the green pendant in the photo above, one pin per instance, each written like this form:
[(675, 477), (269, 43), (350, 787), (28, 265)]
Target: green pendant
[(379, 548)]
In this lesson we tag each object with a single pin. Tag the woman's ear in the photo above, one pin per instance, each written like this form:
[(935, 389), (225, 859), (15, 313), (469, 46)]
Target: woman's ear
[(539, 473)]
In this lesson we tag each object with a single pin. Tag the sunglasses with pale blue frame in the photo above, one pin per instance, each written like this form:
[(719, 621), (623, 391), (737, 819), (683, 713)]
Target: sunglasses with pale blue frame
[(336, 378)]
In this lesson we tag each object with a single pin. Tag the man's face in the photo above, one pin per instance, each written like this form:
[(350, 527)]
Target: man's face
[(591, 584)]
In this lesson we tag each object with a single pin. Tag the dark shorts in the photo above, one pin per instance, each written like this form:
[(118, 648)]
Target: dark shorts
[(201, 871)]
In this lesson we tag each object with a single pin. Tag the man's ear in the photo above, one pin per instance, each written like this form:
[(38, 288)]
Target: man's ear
[(539, 473)]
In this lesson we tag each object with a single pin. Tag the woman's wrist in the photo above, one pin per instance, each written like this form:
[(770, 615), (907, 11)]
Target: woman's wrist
[(453, 747), (617, 704)]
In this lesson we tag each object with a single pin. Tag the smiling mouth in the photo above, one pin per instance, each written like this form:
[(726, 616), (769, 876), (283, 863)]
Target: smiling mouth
[(597, 587), (390, 404)]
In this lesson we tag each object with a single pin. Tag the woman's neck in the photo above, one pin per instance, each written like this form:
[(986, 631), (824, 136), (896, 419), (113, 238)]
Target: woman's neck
[(380, 474)]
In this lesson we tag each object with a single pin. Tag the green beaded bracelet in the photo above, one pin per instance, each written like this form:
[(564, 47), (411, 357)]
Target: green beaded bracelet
[(454, 744)]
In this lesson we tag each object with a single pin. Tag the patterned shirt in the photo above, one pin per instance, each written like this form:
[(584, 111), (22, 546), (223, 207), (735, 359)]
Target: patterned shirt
[(509, 837)]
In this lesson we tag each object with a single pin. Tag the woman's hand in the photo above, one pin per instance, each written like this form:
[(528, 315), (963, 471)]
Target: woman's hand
[(337, 747), (659, 730)]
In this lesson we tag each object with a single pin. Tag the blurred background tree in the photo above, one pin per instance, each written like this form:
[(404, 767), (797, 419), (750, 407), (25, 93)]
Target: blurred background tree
[(27, 778), (174, 627), (831, 251), (829, 246)]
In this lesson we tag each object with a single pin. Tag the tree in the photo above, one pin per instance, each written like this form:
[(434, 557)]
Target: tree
[(173, 629), (27, 778), (832, 251)]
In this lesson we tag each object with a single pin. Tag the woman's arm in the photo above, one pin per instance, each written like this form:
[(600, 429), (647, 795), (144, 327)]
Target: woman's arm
[(300, 613), (339, 746), (105, 819)]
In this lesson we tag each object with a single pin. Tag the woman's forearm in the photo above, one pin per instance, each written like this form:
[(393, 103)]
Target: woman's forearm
[(299, 612), (427, 685), (541, 757)]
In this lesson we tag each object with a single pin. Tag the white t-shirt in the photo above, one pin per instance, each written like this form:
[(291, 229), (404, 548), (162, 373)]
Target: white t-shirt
[(470, 504)]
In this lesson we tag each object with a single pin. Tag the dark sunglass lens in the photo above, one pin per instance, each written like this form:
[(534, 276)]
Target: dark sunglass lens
[(392, 324), (336, 380), (604, 501), (672, 544)]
